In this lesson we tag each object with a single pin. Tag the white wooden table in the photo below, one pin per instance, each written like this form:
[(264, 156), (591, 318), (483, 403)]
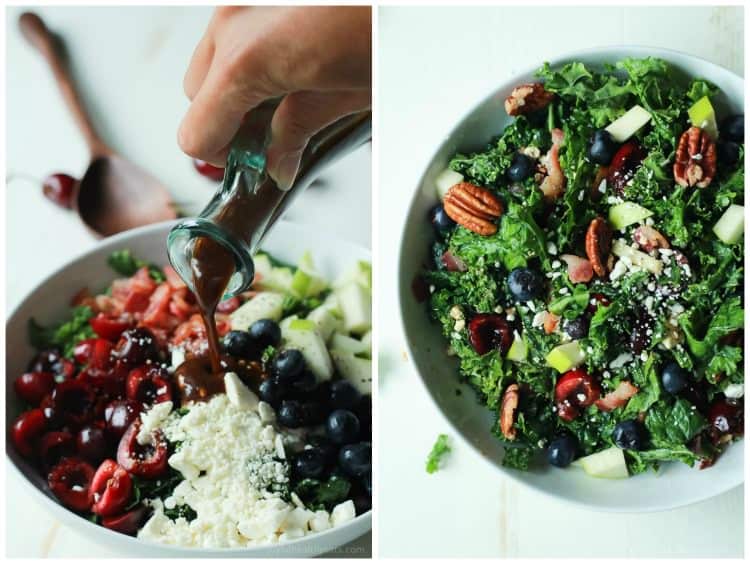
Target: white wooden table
[(129, 64), (434, 65)]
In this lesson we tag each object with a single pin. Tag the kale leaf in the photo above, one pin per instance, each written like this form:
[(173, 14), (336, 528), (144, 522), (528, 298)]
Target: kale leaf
[(124, 263), (437, 454), (65, 336)]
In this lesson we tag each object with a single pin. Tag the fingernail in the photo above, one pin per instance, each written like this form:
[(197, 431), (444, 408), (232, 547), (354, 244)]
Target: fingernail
[(286, 169)]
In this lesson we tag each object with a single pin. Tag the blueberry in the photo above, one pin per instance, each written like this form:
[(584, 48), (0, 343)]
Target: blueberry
[(287, 365), (356, 459), (240, 344), (630, 434), (733, 128), (524, 284), (562, 451), (440, 220), (304, 384), (314, 413), (728, 152), (342, 395), (362, 503), (577, 328), (674, 378), (521, 167), (265, 332), (329, 450), (271, 391), (602, 147), (310, 463), (367, 483), (342, 427), (291, 414)]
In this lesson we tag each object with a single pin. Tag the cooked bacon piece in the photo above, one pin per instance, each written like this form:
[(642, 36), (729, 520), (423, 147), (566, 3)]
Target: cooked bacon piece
[(553, 184), (173, 278), (551, 322), (453, 263), (157, 312), (617, 398), (579, 268)]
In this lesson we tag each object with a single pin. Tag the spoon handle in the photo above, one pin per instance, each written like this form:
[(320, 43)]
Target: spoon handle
[(36, 33)]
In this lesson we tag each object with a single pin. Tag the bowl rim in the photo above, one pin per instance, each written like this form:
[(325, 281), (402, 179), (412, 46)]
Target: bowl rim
[(118, 539), (627, 50)]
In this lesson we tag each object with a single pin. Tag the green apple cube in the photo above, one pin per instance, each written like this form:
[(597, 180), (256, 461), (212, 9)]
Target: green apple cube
[(731, 225), (278, 279), (361, 273), (609, 463), (518, 350), (702, 115), (627, 213), (306, 281), (367, 341), (265, 305), (647, 262), (565, 357), (327, 320), (624, 127), (358, 371), (300, 334), (347, 344), (445, 180), (263, 267), (356, 306)]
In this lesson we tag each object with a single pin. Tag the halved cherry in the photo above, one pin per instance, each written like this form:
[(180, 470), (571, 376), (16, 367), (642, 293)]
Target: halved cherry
[(52, 361), (725, 420), (27, 429), (136, 346), (55, 446), (107, 327), (490, 331), (574, 390), (92, 443), (111, 488), (74, 401), (119, 414), (33, 386), (70, 481), (145, 461), (624, 164), (127, 523), (149, 385), (83, 350)]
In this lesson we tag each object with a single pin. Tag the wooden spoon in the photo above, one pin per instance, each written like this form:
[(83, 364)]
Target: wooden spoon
[(114, 194)]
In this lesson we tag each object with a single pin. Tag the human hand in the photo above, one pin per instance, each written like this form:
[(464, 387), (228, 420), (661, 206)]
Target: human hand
[(317, 57)]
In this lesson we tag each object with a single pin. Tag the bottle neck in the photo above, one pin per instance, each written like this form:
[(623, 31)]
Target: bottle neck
[(249, 201)]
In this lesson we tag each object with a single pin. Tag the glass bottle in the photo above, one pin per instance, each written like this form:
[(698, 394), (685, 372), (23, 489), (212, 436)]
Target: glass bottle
[(249, 202)]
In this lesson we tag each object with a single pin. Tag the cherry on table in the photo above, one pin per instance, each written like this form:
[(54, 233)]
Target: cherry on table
[(59, 188), (208, 170)]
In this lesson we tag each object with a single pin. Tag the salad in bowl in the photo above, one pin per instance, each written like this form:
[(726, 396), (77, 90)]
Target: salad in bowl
[(587, 270), (281, 450)]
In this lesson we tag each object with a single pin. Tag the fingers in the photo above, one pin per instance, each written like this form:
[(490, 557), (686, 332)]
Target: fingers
[(199, 65), (299, 116)]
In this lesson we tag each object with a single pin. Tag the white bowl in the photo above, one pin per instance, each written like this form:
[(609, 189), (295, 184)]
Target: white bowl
[(676, 484), (48, 303)]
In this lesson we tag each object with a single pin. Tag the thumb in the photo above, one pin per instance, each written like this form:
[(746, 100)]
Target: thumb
[(300, 116)]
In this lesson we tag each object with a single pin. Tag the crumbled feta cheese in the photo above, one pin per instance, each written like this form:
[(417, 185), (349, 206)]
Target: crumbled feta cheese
[(734, 391), (456, 312), (564, 290), (619, 270), (459, 325), (531, 305), (556, 264), (551, 248), (152, 420), (538, 319), (239, 395), (432, 288), (342, 513), (621, 360)]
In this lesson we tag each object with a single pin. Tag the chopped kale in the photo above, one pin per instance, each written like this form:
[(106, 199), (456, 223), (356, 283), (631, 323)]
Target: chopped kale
[(437, 454)]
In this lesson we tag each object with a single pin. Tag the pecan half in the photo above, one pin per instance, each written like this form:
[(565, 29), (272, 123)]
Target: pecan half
[(599, 245), (695, 159), (649, 238), (473, 207), (527, 98), (508, 412)]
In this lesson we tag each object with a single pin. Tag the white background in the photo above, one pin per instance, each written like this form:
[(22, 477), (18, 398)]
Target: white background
[(129, 63), (434, 65)]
